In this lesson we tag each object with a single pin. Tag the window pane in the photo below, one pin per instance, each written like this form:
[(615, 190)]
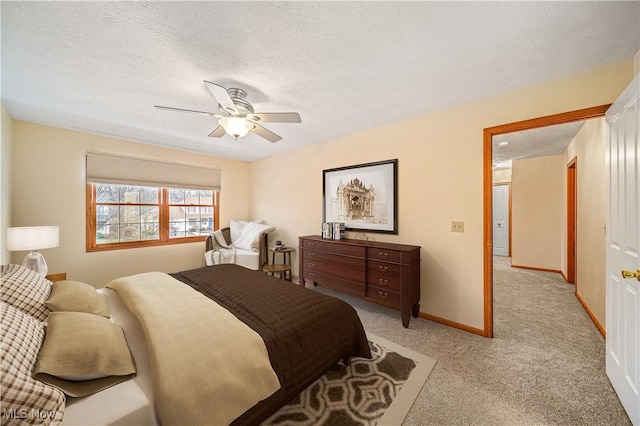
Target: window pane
[(107, 193), (107, 234), (206, 198), (149, 231), (191, 197), (148, 195), (130, 214), (177, 220), (149, 214), (206, 223), (130, 232), (107, 215), (193, 227), (176, 196), (175, 232), (206, 226), (129, 194)]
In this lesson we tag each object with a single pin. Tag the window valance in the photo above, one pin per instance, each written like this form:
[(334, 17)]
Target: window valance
[(123, 170)]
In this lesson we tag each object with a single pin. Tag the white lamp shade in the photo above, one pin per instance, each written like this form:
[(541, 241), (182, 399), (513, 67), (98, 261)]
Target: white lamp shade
[(32, 238), (236, 127)]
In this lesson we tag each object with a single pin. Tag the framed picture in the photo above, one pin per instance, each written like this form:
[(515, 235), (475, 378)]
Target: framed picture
[(363, 196)]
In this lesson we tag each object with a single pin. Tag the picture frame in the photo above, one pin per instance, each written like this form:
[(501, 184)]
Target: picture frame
[(363, 196)]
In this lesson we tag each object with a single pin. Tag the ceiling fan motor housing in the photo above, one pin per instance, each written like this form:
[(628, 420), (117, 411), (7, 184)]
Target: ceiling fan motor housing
[(238, 97)]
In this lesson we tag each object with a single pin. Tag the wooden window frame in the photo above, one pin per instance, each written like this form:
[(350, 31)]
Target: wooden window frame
[(163, 223)]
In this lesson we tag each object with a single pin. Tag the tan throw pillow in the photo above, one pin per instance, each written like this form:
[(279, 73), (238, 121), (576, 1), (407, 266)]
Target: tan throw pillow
[(74, 296), (83, 354)]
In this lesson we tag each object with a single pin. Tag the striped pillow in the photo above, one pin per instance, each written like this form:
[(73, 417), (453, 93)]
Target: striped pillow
[(25, 290), (25, 400)]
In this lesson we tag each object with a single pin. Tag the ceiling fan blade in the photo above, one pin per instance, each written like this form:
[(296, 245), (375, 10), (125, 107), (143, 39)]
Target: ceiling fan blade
[(267, 134), (222, 96), (213, 114), (218, 132), (276, 117)]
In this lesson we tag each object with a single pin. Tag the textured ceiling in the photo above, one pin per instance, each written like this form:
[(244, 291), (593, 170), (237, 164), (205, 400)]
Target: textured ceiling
[(344, 66), (540, 142)]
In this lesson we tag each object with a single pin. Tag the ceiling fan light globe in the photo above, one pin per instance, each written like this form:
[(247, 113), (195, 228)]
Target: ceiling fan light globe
[(236, 127)]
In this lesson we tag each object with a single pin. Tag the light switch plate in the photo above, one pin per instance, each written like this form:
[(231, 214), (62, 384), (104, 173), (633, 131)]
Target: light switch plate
[(457, 226)]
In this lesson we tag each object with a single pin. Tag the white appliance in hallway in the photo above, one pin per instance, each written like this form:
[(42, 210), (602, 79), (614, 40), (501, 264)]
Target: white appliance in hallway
[(501, 220), (623, 249)]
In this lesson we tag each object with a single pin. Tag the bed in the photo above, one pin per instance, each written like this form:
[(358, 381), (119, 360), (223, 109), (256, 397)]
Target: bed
[(302, 333)]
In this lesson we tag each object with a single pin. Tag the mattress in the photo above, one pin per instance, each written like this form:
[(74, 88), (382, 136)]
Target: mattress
[(128, 403)]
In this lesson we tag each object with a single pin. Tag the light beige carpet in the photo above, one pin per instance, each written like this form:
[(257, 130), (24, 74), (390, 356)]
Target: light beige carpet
[(377, 391), (545, 365)]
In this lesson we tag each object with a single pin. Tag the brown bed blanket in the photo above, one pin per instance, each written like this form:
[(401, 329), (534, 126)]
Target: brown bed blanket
[(305, 332)]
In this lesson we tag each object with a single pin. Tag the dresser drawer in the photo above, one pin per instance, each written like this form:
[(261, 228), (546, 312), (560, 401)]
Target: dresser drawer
[(384, 255), (383, 295), (343, 286), (383, 281), (333, 259), (333, 270), (336, 248), (384, 268)]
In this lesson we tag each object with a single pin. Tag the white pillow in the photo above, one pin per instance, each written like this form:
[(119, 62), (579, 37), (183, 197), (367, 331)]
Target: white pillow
[(250, 237), (237, 226)]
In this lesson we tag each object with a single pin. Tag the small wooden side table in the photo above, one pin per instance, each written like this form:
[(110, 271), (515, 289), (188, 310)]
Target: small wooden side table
[(57, 277), (284, 268)]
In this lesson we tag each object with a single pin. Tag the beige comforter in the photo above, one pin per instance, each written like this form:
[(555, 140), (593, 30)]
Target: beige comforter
[(208, 366)]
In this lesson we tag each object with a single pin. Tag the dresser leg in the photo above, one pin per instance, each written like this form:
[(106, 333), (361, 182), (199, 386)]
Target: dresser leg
[(415, 310), (405, 319)]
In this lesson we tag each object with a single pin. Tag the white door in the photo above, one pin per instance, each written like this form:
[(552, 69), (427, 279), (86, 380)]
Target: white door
[(501, 220), (623, 250)]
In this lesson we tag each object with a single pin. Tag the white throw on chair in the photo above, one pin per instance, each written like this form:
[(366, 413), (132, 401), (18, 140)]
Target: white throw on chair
[(242, 243)]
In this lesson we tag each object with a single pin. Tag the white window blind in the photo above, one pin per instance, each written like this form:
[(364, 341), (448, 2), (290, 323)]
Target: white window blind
[(118, 169)]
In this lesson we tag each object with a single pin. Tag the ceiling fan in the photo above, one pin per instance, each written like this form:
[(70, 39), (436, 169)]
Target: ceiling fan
[(236, 116)]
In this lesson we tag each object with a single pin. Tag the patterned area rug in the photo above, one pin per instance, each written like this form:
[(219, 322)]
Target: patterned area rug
[(367, 392)]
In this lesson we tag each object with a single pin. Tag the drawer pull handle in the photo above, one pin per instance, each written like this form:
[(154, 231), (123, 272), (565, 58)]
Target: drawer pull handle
[(383, 294), (311, 265), (383, 255), (312, 244), (383, 282), (311, 254), (311, 274), (383, 268)]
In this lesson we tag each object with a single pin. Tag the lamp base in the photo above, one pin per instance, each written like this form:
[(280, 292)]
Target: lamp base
[(35, 261)]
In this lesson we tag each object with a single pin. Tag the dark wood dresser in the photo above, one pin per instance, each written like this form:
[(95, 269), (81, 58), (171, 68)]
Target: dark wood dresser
[(384, 273)]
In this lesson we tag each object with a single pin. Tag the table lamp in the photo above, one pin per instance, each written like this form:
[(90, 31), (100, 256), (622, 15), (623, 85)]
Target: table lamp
[(33, 238)]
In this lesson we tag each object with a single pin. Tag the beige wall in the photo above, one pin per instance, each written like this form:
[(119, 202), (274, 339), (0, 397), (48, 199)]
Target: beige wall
[(5, 184), (589, 147), (49, 189), (440, 180), (537, 200), (286, 189)]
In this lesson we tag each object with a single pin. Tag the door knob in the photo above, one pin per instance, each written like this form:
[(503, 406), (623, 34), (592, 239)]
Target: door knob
[(630, 274)]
